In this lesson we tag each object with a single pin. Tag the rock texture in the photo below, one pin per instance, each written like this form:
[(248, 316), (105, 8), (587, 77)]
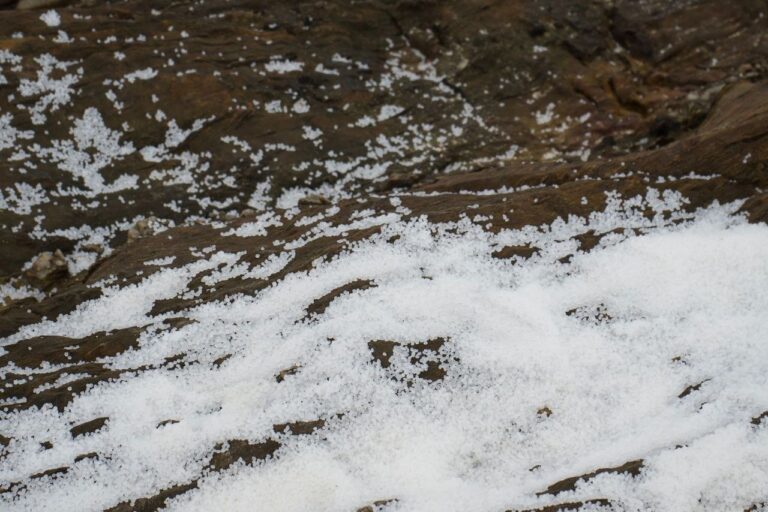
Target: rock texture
[(127, 111), (141, 131)]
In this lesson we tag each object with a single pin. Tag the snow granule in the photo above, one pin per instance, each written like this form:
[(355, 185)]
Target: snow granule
[(605, 344), (51, 18)]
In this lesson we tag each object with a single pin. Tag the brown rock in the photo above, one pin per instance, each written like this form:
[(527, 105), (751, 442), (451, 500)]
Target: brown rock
[(48, 267), (632, 468), (88, 427)]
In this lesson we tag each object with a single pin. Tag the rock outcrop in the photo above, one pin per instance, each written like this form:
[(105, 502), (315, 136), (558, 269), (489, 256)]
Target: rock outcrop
[(245, 144)]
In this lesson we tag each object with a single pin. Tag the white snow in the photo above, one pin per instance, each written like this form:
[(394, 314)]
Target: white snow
[(51, 18), (687, 305), (93, 147), (545, 116), (301, 106), (281, 66), (53, 92)]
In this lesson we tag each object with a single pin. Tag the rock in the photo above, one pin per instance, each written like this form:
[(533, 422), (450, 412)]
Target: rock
[(94, 248), (313, 200), (239, 450), (621, 73), (48, 267), (377, 505), (632, 468), (501, 115), (570, 506), (88, 427), (141, 229), (38, 4), (280, 377), (523, 252), (319, 306)]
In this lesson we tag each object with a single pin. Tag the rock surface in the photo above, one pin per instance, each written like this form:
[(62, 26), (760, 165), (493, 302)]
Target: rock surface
[(135, 136)]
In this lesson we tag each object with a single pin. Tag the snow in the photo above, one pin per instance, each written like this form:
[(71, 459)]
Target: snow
[(94, 147), (545, 116), (51, 18), (141, 74), (274, 107), (161, 262), (53, 92), (281, 66), (301, 106), (686, 305), (22, 198), (389, 111)]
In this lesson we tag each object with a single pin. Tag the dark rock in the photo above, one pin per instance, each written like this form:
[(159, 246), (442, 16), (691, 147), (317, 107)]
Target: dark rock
[(48, 267), (88, 427), (319, 306), (313, 200), (642, 93), (425, 352), (153, 503), (376, 505), (632, 468), (86, 456), (757, 420), (280, 377), (690, 389), (237, 450), (571, 505), (520, 251), (50, 472), (298, 428)]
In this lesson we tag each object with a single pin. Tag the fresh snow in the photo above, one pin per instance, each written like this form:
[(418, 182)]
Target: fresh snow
[(686, 305), (51, 18)]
